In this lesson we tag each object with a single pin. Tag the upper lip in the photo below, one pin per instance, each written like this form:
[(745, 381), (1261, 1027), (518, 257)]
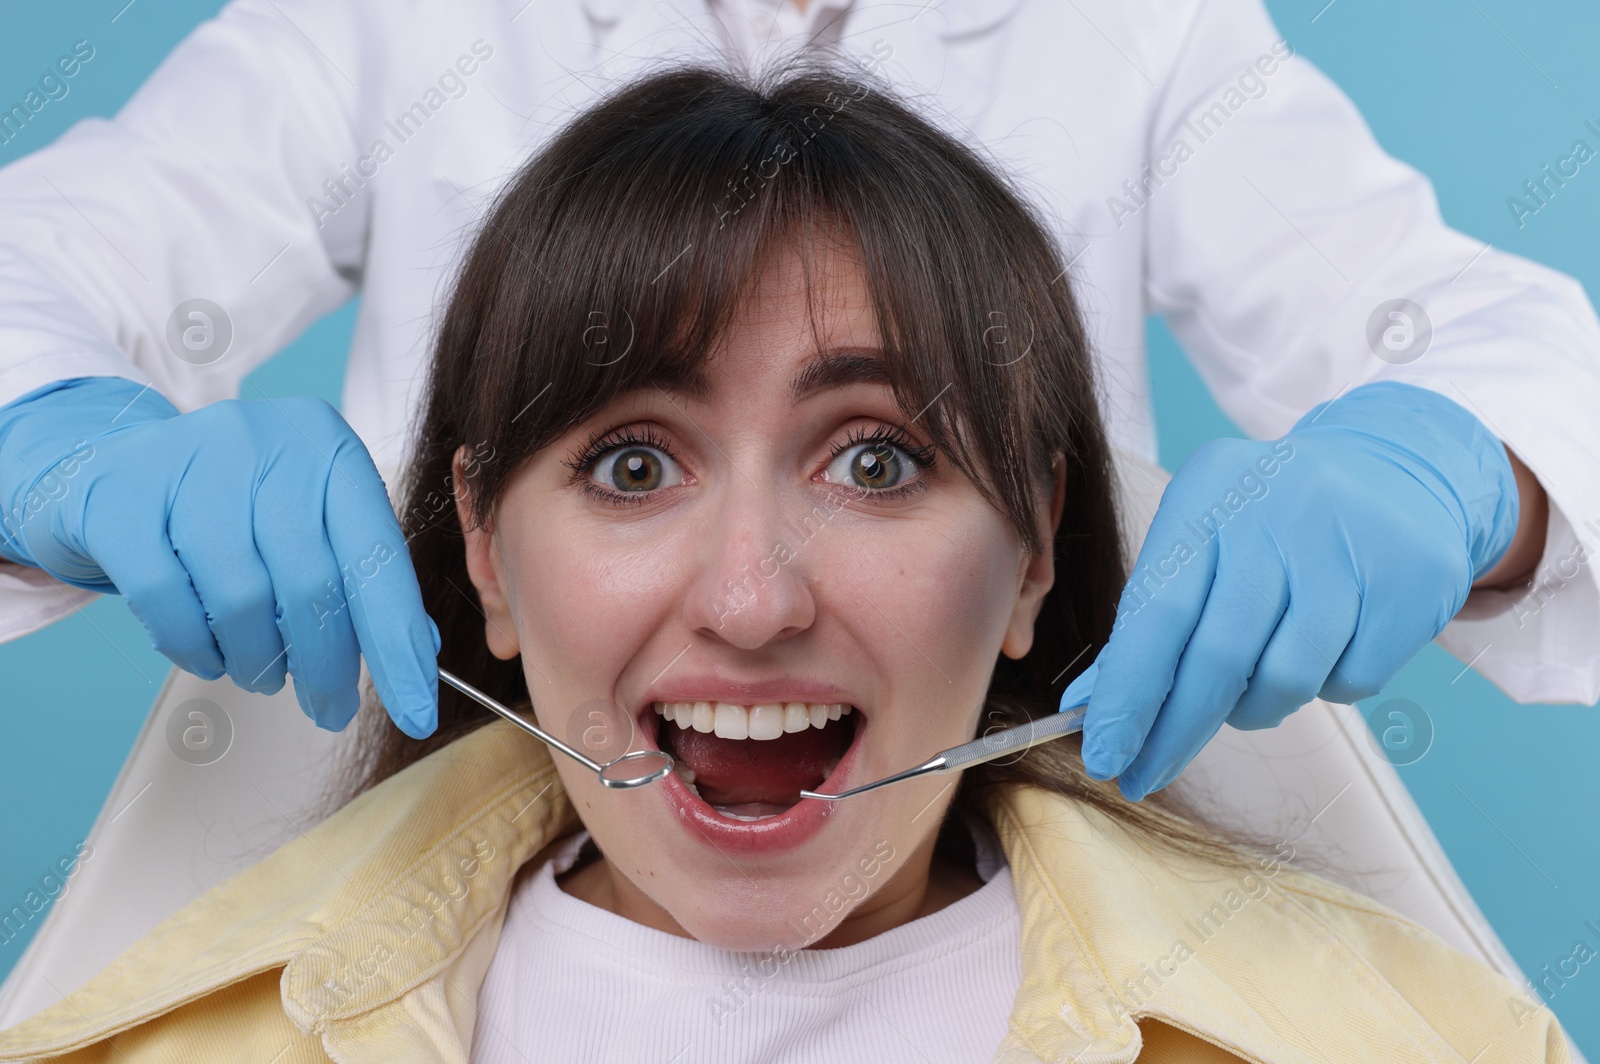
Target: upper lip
[(706, 687)]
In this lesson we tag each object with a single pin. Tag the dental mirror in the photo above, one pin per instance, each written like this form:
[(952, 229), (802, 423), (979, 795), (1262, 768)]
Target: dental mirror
[(633, 769), (984, 748)]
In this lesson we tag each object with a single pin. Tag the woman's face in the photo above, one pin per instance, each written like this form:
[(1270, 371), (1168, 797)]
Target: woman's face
[(759, 546)]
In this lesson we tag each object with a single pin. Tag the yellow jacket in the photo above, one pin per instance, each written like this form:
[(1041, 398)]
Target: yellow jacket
[(367, 938)]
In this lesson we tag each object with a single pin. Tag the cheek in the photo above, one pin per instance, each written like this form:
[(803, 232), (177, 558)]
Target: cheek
[(948, 587), (584, 604)]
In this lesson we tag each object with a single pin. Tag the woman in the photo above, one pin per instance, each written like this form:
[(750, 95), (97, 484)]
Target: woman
[(761, 429)]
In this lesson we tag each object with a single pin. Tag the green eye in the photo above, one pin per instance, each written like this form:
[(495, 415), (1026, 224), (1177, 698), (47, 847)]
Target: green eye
[(876, 464)]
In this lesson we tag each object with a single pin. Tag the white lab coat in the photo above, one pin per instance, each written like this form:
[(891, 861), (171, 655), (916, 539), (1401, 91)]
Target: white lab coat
[(291, 153)]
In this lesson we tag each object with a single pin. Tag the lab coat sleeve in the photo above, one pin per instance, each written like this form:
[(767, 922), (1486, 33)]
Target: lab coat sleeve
[(1276, 228), (198, 188)]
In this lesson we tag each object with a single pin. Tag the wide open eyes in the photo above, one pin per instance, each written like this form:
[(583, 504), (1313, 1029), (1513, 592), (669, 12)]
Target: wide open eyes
[(882, 462), (871, 466), (628, 465), (625, 465), (637, 469)]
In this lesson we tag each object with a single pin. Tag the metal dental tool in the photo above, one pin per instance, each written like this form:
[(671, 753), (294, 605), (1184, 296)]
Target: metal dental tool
[(650, 765), (984, 748)]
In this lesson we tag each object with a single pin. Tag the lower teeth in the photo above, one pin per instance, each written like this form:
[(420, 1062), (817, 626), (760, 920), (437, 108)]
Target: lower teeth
[(735, 816)]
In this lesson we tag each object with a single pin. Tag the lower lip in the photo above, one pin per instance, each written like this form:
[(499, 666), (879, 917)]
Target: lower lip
[(776, 834)]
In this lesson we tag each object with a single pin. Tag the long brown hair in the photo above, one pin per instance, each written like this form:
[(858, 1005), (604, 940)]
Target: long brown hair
[(613, 260)]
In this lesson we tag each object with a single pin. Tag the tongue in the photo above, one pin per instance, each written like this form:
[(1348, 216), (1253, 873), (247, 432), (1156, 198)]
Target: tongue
[(771, 771)]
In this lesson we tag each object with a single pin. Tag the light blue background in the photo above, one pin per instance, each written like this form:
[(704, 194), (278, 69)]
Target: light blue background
[(1476, 93)]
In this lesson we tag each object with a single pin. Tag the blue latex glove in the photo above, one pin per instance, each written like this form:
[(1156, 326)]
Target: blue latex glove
[(1277, 572), (235, 532)]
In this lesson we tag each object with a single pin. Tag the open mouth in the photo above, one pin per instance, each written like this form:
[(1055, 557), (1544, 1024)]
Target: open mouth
[(750, 762)]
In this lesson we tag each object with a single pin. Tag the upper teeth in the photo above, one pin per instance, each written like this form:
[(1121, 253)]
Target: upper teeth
[(767, 720)]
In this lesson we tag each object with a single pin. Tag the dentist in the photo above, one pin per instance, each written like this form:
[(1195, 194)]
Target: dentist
[(1422, 402)]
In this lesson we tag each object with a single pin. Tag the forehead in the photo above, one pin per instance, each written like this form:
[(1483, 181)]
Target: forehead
[(806, 316)]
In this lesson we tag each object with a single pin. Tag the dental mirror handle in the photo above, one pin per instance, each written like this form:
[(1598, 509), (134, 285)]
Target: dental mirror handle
[(984, 748), (528, 726)]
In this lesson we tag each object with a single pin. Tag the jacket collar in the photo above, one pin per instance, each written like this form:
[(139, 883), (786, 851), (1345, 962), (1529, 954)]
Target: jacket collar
[(392, 890), (357, 910)]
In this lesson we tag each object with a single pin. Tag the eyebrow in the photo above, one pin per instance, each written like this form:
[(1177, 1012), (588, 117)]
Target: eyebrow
[(836, 367), (839, 366)]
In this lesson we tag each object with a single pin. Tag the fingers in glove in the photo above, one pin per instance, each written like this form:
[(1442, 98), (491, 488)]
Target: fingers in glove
[(1157, 613), (312, 614), (1248, 596), (1300, 656), (1392, 627), (215, 540), (141, 562), (398, 639)]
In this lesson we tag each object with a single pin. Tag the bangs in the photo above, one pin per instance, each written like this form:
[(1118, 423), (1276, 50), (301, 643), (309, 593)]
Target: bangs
[(616, 258)]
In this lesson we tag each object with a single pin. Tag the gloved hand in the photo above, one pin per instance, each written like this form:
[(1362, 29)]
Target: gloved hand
[(1277, 572), (248, 537)]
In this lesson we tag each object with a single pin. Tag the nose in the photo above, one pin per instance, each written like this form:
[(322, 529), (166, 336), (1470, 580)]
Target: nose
[(753, 586)]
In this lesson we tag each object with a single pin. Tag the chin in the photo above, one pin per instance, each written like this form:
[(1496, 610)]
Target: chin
[(770, 917)]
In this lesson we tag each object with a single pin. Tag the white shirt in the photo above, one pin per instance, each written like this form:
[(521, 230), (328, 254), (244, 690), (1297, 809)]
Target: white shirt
[(574, 982), (291, 153)]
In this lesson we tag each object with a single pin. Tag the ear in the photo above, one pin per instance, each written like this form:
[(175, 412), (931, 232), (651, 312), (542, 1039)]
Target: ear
[(484, 566), (1038, 574)]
